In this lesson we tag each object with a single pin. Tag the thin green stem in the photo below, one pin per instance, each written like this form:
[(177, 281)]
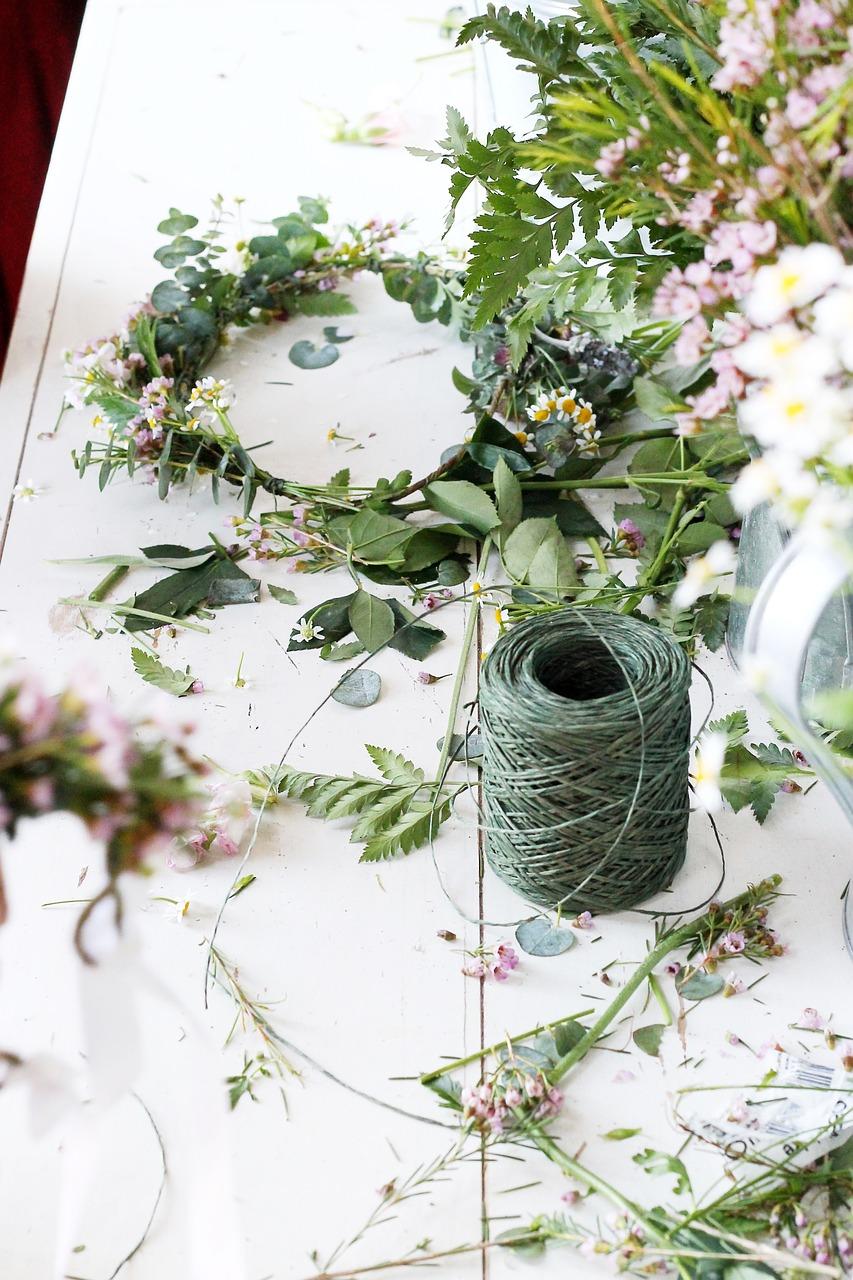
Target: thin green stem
[(127, 611), (429, 1076), (595, 547), (656, 568), (112, 579), (459, 679), (662, 1002)]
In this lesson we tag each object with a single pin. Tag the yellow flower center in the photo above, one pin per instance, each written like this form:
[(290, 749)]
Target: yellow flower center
[(584, 416), (569, 405), (794, 409), (789, 282), (541, 415)]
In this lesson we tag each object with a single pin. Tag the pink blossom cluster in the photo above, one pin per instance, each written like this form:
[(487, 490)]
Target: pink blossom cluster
[(747, 36), (612, 154), (513, 1099), (703, 290), (222, 826), (131, 782), (825, 1240), (498, 964)]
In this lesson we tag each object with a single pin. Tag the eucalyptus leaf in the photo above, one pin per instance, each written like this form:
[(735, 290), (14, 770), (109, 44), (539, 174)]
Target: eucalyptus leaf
[(567, 1034), (648, 1039), (699, 536), (305, 355), (489, 455), (358, 688), (699, 985), (538, 937), (655, 400)]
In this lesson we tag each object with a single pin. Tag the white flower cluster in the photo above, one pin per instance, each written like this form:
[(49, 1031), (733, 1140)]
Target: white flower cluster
[(799, 408), (209, 398), (105, 359), (564, 406)]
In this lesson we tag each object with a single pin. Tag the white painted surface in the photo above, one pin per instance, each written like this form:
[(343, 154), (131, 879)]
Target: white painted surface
[(169, 104)]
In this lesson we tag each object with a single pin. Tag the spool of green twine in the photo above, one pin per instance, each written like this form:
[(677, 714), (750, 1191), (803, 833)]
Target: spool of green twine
[(585, 718)]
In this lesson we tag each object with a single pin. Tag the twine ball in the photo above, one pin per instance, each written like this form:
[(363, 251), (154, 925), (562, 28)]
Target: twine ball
[(585, 718)]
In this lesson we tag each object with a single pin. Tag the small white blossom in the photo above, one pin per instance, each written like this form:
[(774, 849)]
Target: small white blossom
[(800, 417), (26, 492), (543, 407), (786, 351), (703, 574), (799, 275), (305, 632), (774, 477)]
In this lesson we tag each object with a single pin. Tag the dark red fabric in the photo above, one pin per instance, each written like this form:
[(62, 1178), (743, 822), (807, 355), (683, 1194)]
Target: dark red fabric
[(37, 42)]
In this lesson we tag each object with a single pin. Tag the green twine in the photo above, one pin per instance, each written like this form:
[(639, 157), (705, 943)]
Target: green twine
[(585, 718)]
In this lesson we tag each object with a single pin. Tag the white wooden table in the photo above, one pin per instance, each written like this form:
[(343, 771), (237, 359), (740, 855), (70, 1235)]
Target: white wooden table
[(169, 104)]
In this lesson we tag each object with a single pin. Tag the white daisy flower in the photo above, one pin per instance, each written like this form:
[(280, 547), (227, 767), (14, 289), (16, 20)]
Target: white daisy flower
[(792, 414), (799, 275), (543, 407), (26, 491), (305, 632), (787, 351)]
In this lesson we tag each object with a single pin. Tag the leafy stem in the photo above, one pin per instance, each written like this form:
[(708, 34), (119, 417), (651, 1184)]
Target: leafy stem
[(670, 941)]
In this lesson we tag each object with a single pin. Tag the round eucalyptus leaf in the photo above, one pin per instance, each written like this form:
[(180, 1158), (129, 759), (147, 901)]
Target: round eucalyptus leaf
[(539, 937), (699, 986), (358, 688), (648, 1038), (305, 355)]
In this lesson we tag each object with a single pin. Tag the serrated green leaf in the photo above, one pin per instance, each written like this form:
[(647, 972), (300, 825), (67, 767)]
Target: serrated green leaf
[(394, 767), (659, 1162), (152, 671), (282, 594), (412, 830)]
